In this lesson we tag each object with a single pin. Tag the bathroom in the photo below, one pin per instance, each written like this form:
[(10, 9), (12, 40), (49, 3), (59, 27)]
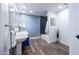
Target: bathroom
[(36, 29)]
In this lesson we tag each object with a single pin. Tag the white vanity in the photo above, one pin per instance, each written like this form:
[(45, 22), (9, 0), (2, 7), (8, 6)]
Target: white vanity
[(20, 36)]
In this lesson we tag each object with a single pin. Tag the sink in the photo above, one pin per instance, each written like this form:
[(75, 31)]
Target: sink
[(21, 36)]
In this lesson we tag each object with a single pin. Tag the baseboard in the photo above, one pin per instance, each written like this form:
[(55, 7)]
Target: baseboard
[(35, 37), (65, 43)]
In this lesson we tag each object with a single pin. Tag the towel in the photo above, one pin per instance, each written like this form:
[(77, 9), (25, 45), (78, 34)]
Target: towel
[(47, 27), (13, 40)]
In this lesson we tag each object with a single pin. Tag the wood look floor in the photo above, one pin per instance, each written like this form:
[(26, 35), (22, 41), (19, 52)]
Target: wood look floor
[(41, 47)]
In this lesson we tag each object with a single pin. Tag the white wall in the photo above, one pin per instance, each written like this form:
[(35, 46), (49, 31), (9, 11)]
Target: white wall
[(4, 31), (74, 28), (63, 26)]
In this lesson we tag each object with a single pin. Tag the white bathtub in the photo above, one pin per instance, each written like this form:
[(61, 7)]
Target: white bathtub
[(45, 37)]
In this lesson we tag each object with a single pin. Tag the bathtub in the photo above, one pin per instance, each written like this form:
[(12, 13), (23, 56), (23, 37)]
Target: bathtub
[(45, 37)]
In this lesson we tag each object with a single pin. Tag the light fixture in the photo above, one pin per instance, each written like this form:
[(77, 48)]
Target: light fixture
[(31, 11), (59, 7), (24, 7)]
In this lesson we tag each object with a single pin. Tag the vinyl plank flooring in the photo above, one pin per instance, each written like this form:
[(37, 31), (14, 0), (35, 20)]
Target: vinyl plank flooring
[(41, 47)]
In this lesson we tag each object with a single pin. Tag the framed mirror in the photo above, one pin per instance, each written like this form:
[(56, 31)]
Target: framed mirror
[(52, 21)]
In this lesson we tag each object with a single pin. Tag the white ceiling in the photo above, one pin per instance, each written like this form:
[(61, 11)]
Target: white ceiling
[(39, 9)]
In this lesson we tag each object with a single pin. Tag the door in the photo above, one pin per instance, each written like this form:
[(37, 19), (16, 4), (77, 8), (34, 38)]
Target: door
[(74, 28), (4, 30), (43, 21)]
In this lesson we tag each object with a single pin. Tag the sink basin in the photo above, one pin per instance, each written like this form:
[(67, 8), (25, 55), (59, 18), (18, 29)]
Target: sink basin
[(21, 36)]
